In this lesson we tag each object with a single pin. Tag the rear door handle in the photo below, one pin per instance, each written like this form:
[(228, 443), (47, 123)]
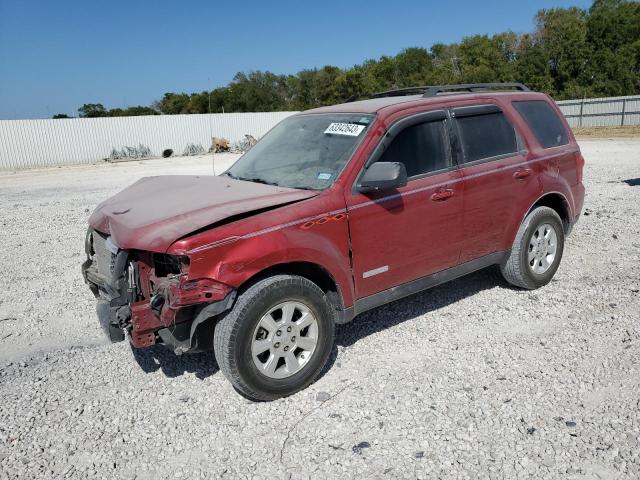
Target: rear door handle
[(522, 174), (442, 195)]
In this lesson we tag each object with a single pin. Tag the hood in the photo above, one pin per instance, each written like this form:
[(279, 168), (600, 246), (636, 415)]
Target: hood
[(154, 212)]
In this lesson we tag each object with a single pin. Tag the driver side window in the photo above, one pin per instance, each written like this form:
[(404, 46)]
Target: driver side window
[(422, 148)]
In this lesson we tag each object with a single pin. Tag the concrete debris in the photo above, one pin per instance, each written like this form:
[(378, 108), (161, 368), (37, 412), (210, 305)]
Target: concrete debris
[(219, 145)]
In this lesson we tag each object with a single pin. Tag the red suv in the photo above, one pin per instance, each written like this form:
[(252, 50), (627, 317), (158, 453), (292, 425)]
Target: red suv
[(336, 211)]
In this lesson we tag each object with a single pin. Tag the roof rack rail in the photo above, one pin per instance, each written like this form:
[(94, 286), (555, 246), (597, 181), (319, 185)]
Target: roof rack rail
[(432, 91), (399, 92), (474, 87)]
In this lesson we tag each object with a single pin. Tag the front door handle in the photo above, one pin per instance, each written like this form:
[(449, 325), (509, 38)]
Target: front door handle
[(522, 174), (442, 195)]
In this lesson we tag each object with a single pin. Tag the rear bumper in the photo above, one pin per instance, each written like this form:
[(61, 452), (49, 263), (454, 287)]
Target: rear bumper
[(577, 192)]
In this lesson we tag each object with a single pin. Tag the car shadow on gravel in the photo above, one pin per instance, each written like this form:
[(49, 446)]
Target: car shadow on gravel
[(204, 365), (418, 304), (632, 182), (159, 357)]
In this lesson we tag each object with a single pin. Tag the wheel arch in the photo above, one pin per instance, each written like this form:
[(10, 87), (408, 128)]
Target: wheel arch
[(557, 202), (311, 271), (204, 323)]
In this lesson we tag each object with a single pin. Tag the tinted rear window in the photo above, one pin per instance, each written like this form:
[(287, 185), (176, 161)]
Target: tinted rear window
[(487, 136), (544, 122)]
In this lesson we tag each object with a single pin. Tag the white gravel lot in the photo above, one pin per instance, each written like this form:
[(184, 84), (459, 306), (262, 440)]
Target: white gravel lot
[(470, 380)]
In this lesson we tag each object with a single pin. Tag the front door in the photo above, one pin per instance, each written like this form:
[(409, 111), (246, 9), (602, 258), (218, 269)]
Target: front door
[(401, 235)]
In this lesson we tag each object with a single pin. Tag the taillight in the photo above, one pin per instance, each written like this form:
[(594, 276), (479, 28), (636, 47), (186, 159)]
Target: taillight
[(579, 166)]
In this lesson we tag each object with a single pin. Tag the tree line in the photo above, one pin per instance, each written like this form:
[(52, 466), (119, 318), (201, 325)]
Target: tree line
[(572, 53)]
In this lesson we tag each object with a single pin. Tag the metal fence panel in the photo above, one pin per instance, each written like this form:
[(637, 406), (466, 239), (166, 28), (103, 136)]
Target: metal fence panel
[(602, 112), (41, 143)]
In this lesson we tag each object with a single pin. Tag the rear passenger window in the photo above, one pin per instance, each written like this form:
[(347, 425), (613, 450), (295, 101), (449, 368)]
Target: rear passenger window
[(544, 122), (486, 136), (422, 148)]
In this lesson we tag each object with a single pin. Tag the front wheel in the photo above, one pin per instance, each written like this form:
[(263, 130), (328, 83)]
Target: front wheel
[(537, 250), (276, 339)]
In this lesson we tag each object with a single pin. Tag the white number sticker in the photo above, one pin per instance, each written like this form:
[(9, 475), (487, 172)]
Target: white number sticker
[(349, 129)]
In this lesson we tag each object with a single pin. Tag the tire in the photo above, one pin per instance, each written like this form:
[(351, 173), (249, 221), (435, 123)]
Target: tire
[(520, 269), (245, 329)]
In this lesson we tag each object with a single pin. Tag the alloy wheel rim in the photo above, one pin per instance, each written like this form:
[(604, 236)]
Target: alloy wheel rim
[(543, 246), (284, 340)]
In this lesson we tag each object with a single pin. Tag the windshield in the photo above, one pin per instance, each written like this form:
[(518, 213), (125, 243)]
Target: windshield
[(303, 151)]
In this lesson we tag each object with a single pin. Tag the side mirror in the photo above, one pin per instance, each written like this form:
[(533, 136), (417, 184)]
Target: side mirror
[(383, 176)]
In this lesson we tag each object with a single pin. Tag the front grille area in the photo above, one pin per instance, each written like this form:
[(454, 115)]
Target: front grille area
[(103, 258)]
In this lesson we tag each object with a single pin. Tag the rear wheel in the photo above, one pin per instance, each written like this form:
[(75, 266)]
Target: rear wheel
[(537, 250), (276, 339)]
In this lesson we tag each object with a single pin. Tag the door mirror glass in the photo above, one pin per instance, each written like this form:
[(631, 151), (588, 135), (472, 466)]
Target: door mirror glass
[(383, 176)]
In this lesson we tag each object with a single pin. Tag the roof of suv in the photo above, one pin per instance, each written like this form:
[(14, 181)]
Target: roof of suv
[(395, 103)]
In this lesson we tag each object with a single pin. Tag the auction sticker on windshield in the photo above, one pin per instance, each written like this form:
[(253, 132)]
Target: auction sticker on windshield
[(349, 129)]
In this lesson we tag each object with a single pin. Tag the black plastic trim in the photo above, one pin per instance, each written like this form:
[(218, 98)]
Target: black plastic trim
[(475, 110), (210, 311), (183, 337), (433, 91), (494, 158), (424, 283), (474, 87)]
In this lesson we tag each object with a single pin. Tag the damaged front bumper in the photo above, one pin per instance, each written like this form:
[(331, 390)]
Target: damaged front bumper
[(137, 295), (104, 271)]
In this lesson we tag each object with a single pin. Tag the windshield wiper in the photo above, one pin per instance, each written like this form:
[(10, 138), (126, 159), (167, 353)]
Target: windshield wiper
[(260, 180), (255, 180)]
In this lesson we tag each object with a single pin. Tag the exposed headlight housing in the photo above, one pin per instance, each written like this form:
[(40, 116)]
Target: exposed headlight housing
[(166, 264)]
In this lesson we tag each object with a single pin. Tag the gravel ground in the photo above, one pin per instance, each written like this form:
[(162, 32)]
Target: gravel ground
[(469, 380)]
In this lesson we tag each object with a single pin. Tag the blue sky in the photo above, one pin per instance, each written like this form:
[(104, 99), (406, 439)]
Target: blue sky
[(56, 55)]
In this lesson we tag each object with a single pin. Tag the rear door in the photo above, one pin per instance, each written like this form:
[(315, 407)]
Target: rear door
[(495, 176), (401, 235)]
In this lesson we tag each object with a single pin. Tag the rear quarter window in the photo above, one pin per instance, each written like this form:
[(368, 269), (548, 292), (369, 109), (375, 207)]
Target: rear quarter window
[(544, 122)]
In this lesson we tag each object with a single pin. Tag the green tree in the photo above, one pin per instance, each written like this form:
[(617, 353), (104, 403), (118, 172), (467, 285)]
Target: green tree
[(380, 75), (612, 24), (303, 89), (562, 33), (173, 103), (447, 64), (613, 31), (92, 110), (257, 92), (485, 59), (60, 115), (413, 66), (532, 66), (132, 111)]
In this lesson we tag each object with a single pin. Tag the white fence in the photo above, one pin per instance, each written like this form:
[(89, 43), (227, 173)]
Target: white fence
[(41, 143), (602, 112)]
